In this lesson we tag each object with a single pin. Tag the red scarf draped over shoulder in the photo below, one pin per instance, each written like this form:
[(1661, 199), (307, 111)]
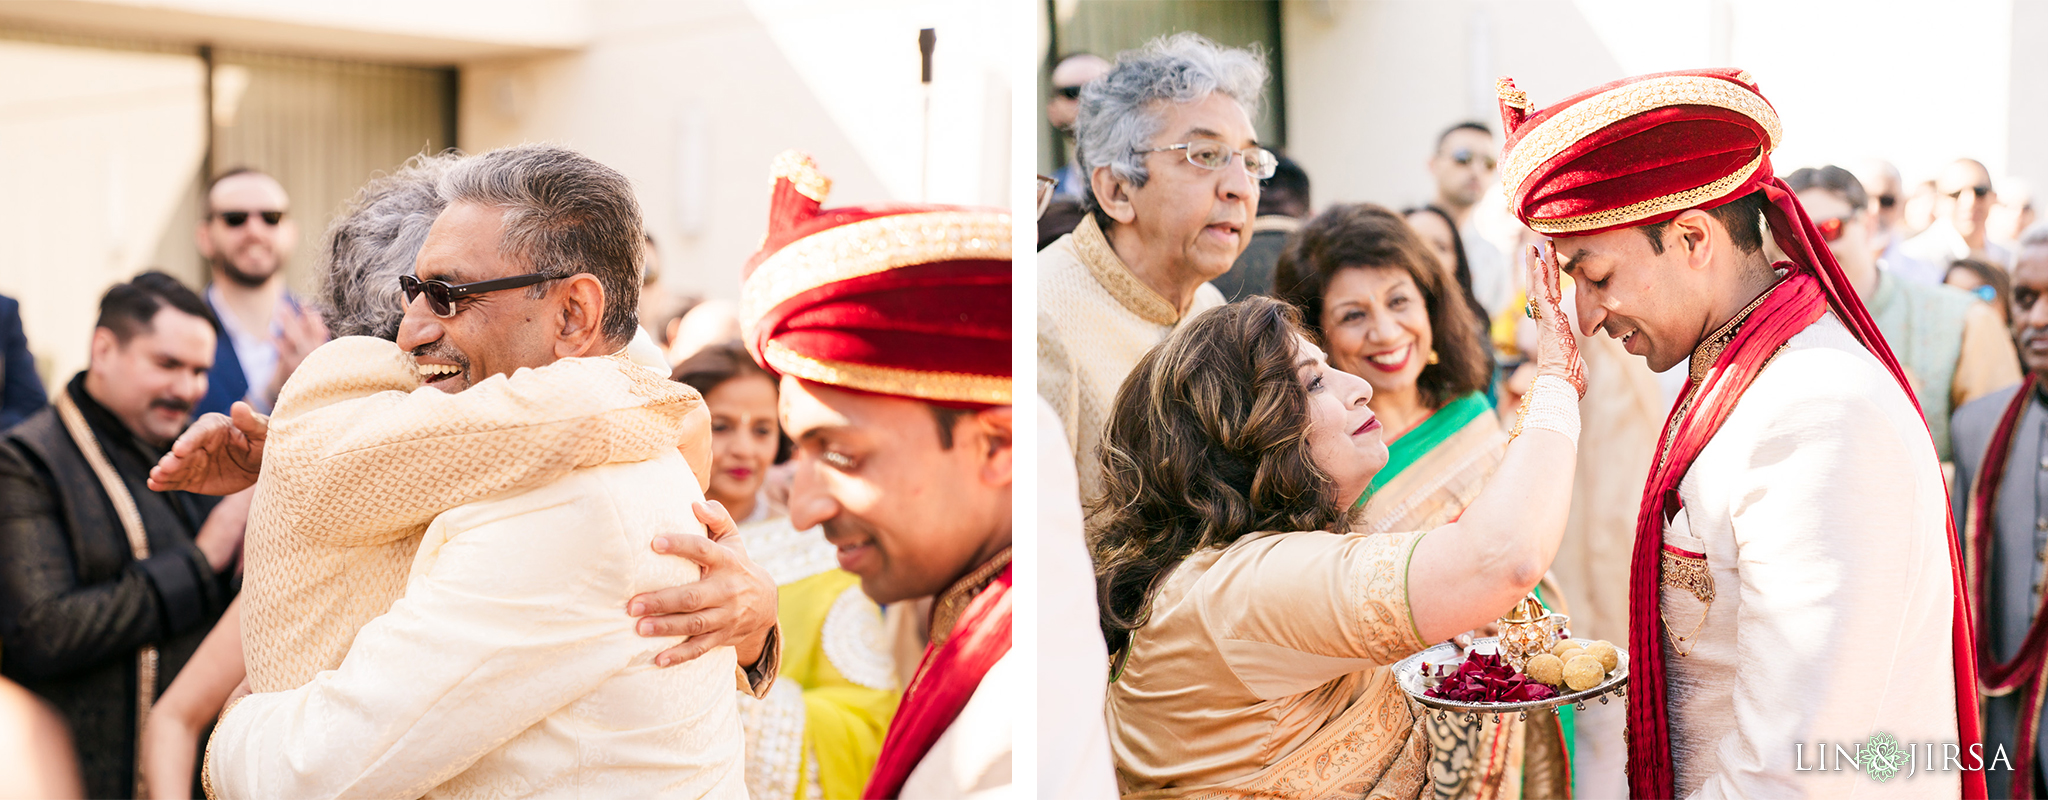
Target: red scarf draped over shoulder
[(1815, 286), (945, 680)]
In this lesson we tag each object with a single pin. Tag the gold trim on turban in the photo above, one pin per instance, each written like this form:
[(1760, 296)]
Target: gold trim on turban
[(949, 387), (1648, 208), (1557, 134), (870, 246)]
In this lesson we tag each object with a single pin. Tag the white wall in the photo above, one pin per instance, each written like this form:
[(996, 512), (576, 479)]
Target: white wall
[(1372, 82)]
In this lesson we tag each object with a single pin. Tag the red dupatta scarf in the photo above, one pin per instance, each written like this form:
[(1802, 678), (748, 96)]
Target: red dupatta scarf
[(1816, 285), (945, 680), (2024, 672)]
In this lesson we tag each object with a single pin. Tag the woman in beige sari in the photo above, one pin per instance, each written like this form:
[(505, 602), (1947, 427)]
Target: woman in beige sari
[(1372, 291), (1252, 633)]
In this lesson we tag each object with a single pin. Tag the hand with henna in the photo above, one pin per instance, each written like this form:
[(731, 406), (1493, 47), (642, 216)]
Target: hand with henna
[(1557, 349)]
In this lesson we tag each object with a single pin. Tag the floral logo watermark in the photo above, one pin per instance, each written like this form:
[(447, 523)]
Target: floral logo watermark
[(1883, 757)]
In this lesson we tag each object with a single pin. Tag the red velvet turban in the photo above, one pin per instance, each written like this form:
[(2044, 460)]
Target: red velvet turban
[(1636, 151), (904, 300)]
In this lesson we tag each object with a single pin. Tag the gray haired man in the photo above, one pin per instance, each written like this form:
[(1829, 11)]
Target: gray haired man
[(1174, 165), (508, 665)]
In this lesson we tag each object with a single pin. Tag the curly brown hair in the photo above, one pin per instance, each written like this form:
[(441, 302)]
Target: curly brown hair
[(1208, 442), (1368, 236)]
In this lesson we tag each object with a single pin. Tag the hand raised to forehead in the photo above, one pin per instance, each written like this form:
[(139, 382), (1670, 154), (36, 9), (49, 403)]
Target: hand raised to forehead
[(1557, 349)]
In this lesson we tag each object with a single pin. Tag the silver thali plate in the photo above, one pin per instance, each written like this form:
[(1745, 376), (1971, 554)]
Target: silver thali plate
[(1408, 675)]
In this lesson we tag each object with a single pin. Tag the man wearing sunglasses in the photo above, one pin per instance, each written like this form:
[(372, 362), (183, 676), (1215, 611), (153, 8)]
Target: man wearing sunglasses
[(510, 665), (1072, 72), (1174, 165), (1953, 345), (245, 238), (1886, 219), (1963, 198), (1464, 166)]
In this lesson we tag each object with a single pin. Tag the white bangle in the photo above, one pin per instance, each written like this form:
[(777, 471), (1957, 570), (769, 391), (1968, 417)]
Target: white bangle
[(1552, 405)]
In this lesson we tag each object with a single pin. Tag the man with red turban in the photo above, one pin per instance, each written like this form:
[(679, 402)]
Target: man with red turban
[(889, 326), (1794, 586)]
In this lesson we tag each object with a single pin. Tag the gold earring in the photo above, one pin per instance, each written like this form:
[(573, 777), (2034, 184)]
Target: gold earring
[(1432, 355)]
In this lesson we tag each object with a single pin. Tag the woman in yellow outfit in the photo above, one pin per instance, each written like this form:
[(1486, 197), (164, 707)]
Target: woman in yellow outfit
[(817, 733)]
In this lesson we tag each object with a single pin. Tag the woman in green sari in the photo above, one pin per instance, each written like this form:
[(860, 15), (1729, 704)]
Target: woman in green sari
[(1384, 308)]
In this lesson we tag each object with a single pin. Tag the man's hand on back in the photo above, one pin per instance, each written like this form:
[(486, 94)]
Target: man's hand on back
[(217, 455), (733, 603)]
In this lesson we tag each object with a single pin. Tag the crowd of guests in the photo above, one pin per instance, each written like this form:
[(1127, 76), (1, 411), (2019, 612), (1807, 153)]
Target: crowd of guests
[(1168, 371), (127, 530)]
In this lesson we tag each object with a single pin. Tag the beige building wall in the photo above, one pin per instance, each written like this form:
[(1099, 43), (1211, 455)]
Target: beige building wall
[(691, 100)]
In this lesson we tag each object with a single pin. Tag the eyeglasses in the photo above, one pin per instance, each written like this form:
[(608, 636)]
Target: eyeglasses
[(1831, 229), (1980, 190), (1887, 200), (1259, 162), (441, 295), (1464, 156), (1069, 92), (236, 219)]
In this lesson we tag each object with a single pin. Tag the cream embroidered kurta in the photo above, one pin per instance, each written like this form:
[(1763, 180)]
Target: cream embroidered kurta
[(360, 459), (1263, 670), (507, 668), (1820, 514), (1095, 320)]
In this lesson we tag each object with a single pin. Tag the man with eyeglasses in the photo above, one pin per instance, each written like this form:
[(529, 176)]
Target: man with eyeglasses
[(1072, 72), (1963, 197), (1952, 345), (245, 238), (1463, 166), (1173, 165)]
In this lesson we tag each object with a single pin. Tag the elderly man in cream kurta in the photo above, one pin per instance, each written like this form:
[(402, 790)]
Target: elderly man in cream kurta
[(1161, 224)]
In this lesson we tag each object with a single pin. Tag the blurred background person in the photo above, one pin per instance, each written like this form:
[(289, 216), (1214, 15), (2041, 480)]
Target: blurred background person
[(1069, 74), (21, 390), (1379, 302), (1963, 198), (2012, 215), (1464, 167), (817, 732), (1174, 163), (35, 748), (1920, 213), (1990, 284), (1953, 346), (1886, 219), (1283, 206), (106, 587), (265, 332), (1440, 233)]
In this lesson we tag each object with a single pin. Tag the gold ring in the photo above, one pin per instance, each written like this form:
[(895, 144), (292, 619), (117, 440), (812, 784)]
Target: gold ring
[(1529, 307)]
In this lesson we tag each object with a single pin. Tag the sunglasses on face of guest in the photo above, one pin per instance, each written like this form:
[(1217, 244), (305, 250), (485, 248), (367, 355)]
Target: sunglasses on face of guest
[(1464, 156), (1069, 92), (1831, 229), (441, 295), (236, 219), (1980, 190)]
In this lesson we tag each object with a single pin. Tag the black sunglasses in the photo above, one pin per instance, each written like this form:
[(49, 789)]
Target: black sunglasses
[(1979, 190), (441, 295), (1069, 92), (236, 219), (1887, 200)]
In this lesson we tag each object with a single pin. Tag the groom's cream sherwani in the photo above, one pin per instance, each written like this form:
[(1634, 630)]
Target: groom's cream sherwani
[(1808, 577)]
